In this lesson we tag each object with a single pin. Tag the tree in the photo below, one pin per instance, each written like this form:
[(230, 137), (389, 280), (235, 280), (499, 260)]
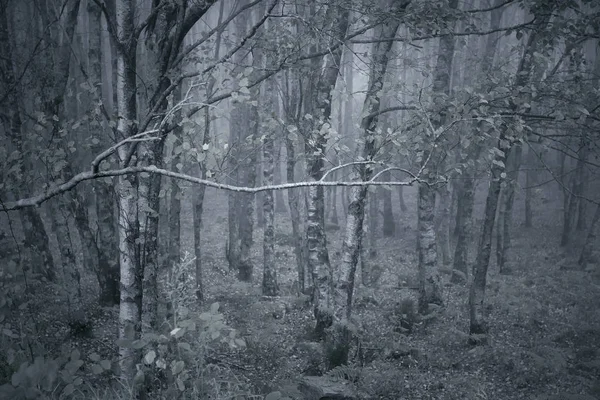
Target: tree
[(506, 142)]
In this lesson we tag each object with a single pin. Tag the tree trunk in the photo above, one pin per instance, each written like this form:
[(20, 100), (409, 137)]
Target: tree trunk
[(591, 241), (71, 277), (279, 196), (130, 310), (444, 224), (269, 282), (531, 180), (403, 207), (293, 194), (508, 199), (464, 227), (478, 324), (198, 207), (315, 142), (175, 202), (574, 197), (352, 244), (430, 288), (373, 221), (477, 291), (389, 225)]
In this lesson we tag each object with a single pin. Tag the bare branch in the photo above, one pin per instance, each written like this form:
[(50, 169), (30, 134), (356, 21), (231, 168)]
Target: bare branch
[(90, 175)]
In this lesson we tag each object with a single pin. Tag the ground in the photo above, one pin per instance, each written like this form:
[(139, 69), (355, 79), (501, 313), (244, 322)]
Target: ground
[(544, 322)]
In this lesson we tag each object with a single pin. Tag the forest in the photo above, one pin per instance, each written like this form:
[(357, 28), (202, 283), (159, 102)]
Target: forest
[(300, 199)]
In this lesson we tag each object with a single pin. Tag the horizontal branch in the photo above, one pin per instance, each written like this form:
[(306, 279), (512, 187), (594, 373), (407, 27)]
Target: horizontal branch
[(91, 175)]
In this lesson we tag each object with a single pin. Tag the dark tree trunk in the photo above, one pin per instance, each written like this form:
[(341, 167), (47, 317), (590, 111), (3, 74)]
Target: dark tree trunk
[(389, 225)]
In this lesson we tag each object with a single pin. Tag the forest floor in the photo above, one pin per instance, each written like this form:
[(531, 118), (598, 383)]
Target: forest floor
[(544, 340)]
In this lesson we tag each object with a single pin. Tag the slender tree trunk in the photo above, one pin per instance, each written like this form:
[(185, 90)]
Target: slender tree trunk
[(530, 181), (71, 276), (352, 244), (198, 207), (389, 225), (478, 324), (107, 269), (279, 196), (315, 145), (591, 241), (130, 310), (465, 201), (581, 212), (430, 289), (373, 221), (444, 224), (294, 194), (174, 219), (509, 198), (574, 196), (403, 207), (269, 283)]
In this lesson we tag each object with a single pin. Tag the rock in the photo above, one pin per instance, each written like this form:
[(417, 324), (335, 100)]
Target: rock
[(325, 388)]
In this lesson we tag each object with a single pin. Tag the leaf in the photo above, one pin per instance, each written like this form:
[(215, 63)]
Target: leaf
[(180, 385), (150, 357), (243, 83), (184, 346), (97, 369), (240, 342), (139, 344), (205, 147), (273, 396), (177, 367), (498, 163), (214, 307), (68, 390), (95, 357), (124, 343), (175, 332), (75, 355), (583, 110)]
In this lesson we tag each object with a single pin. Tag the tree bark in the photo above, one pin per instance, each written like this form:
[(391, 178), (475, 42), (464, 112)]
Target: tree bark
[(130, 310), (356, 209), (531, 180), (478, 323), (591, 241), (107, 270), (315, 145), (389, 225), (508, 197)]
